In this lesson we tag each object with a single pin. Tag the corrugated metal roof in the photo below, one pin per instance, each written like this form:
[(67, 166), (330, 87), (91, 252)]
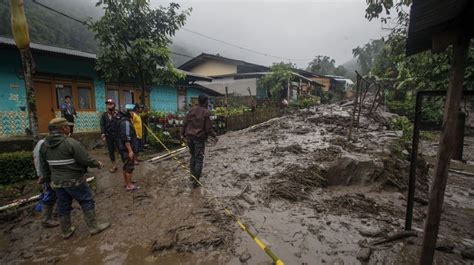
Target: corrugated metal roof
[(428, 17), (46, 48)]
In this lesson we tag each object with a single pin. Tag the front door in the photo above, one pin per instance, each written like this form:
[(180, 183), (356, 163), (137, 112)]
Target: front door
[(44, 104)]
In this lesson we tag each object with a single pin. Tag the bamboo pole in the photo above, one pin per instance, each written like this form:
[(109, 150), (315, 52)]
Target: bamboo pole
[(28, 200), (445, 151)]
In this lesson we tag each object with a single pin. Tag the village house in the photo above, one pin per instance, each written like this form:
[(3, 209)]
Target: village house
[(61, 72), (239, 78)]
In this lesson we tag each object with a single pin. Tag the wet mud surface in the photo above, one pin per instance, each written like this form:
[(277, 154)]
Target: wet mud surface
[(295, 181)]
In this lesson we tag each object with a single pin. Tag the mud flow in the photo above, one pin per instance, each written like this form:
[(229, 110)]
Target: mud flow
[(309, 194)]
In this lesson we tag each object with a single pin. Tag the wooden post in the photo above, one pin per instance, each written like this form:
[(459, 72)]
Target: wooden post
[(288, 91), (354, 109), (450, 118)]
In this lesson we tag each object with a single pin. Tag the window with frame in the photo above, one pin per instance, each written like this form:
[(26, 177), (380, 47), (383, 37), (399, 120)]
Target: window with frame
[(84, 98), (81, 94), (63, 90), (124, 94), (182, 100)]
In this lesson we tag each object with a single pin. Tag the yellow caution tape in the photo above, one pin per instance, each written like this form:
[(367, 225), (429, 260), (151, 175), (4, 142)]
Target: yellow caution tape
[(229, 213)]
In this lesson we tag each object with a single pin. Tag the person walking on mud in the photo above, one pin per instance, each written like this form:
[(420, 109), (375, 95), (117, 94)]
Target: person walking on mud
[(48, 198), (197, 127), (127, 144), (108, 128), (64, 161)]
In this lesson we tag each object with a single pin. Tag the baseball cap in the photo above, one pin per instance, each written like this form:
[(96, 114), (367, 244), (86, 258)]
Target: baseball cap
[(59, 122), (109, 100)]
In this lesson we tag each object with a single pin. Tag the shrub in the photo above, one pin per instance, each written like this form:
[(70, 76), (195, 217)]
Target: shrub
[(16, 167)]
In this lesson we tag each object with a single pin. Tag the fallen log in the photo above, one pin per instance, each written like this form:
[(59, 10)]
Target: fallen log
[(28, 200), (395, 237), (465, 173)]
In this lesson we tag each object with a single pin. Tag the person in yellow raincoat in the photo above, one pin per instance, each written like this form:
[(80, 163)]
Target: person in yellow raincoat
[(137, 124)]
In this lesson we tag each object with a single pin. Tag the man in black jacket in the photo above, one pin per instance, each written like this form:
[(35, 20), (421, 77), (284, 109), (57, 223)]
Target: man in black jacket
[(108, 127), (197, 128)]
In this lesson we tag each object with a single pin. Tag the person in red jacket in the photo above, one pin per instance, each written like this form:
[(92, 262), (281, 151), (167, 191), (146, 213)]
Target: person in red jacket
[(197, 127)]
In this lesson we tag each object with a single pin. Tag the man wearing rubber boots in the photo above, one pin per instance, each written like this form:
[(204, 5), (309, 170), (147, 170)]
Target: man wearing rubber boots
[(196, 129), (64, 161)]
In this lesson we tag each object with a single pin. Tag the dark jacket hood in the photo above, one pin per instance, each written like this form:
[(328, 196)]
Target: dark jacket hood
[(54, 140)]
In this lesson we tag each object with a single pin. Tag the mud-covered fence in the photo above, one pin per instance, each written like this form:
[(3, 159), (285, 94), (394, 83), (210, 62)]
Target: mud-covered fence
[(247, 119)]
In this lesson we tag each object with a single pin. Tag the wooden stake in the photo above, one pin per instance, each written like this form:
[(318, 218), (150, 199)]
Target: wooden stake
[(354, 107), (445, 151)]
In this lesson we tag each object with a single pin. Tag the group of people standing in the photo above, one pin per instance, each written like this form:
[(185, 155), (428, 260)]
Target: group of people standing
[(122, 130), (61, 161)]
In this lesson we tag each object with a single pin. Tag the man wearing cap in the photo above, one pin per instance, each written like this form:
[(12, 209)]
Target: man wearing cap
[(196, 129), (64, 161), (108, 127)]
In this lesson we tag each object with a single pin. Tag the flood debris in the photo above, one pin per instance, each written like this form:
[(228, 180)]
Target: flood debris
[(294, 183)]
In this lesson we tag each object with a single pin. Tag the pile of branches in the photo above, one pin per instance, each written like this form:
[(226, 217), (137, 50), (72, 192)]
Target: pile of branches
[(294, 183)]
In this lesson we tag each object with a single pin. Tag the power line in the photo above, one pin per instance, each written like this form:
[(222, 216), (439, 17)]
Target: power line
[(59, 12), (243, 48), (188, 30)]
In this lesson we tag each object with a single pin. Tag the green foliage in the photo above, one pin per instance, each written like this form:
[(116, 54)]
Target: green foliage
[(16, 167), (305, 102), (367, 54), (133, 41), (275, 82), (403, 124), (324, 65), (223, 111)]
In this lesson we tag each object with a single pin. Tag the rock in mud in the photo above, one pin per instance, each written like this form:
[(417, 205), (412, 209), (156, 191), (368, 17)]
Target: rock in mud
[(468, 253), (445, 246), (159, 246), (349, 171), (364, 254), (244, 257), (261, 174), (368, 231)]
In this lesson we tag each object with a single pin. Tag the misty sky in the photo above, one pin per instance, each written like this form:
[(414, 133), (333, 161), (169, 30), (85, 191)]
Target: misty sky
[(290, 29)]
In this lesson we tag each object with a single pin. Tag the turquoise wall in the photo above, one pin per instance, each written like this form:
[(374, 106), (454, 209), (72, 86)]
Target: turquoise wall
[(163, 98), (12, 89), (13, 121)]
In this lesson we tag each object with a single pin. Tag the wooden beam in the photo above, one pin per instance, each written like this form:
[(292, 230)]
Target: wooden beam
[(445, 150)]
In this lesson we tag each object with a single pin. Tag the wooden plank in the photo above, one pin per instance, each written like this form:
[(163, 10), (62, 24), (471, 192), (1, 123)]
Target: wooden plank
[(445, 150)]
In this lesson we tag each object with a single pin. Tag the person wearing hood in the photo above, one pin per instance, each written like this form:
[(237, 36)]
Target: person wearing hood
[(127, 138), (64, 161), (108, 128)]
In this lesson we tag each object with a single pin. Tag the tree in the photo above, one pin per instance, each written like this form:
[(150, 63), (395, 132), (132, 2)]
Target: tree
[(366, 55), (276, 82), (324, 65), (133, 41)]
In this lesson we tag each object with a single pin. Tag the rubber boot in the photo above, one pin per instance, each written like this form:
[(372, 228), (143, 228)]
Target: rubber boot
[(47, 221), (91, 222), (66, 227)]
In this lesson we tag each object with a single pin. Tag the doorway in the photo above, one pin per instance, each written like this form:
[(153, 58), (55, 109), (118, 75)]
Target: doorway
[(44, 104)]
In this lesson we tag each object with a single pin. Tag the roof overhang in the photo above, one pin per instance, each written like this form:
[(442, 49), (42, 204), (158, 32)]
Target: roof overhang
[(50, 49)]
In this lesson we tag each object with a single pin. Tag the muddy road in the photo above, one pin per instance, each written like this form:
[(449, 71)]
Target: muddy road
[(310, 195)]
